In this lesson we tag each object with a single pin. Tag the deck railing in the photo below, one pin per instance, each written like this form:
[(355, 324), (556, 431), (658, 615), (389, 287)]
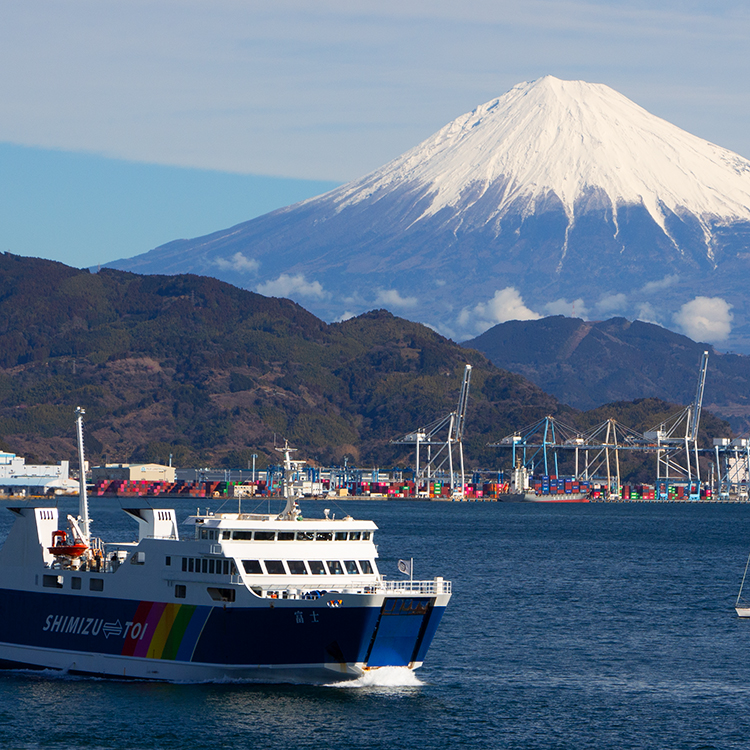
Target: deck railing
[(435, 586)]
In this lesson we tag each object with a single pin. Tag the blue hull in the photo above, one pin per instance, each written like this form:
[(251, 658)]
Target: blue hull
[(282, 634)]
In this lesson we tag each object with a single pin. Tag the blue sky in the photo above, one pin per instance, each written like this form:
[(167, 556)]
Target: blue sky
[(126, 125)]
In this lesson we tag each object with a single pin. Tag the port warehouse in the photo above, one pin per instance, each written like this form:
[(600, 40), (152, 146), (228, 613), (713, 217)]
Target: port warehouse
[(19, 478)]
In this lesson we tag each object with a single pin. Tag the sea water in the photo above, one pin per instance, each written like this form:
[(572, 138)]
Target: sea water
[(571, 626)]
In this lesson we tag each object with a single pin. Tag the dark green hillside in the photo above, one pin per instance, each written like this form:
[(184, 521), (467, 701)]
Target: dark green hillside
[(209, 372)]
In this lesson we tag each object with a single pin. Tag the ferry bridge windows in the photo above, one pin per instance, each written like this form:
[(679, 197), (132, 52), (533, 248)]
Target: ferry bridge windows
[(305, 536), (354, 536), (242, 536), (365, 536), (302, 568), (180, 591), (285, 536), (323, 536), (252, 567), (209, 534), (265, 536), (340, 536), (210, 565)]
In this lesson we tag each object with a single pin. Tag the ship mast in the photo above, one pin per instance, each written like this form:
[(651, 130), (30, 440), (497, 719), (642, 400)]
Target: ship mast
[(291, 510), (83, 501)]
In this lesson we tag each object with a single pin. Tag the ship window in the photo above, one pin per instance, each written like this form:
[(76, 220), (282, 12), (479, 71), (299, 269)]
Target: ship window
[(96, 584), (334, 567), (205, 565), (184, 563), (244, 536), (180, 591), (204, 533), (354, 536), (317, 568), (221, 595), (226, 567), (212, 566), (365, 536), (233, 568), (285, 536), (75, 582), (190, 564), (225, 535), (297, 567), (366, 567), (167, 560), (52, 582), (340, 536), (265, 536), (305, 536), (252, 567), (324, 536), (275, 567), (351, 567)]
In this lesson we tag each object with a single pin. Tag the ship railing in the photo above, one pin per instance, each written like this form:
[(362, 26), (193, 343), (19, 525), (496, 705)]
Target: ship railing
[(435, 586)]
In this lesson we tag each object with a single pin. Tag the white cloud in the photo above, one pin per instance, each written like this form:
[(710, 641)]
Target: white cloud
[(612, 303), (656, 286), (238, 262), (346, 315), (393, 298), (290, 286), (705, 319), (574, 309), (647, 314), (506, 304)]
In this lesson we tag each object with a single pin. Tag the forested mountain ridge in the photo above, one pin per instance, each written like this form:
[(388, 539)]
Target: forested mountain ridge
[(211, 373), (590, 363)]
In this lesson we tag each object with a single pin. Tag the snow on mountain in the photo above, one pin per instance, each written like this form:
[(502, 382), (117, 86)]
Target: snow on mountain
[(557, 197), (567, 138)]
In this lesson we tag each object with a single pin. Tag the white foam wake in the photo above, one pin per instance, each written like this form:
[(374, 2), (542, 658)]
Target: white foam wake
[(384, 677)]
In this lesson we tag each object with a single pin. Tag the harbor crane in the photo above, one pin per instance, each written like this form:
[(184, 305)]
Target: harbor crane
[(601, 445), (444, 435), (678, 432)]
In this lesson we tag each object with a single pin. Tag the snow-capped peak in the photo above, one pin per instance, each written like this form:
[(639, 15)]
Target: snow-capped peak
[(567, 138)]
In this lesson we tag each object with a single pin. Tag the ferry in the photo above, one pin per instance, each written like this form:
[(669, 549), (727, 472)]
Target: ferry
[(249, 596)]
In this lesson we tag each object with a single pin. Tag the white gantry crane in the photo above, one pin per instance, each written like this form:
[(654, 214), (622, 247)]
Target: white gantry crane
[(669, 438), (444, 435)]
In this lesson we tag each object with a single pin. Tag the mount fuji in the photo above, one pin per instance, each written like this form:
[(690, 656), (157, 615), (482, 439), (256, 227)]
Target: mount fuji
[(557, 197)]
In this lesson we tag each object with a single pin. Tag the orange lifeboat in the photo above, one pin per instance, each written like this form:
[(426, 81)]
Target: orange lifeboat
[(61, 548)]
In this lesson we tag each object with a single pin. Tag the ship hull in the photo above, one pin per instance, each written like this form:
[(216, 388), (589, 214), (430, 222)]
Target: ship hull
[(277, 641), (577, 497)]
